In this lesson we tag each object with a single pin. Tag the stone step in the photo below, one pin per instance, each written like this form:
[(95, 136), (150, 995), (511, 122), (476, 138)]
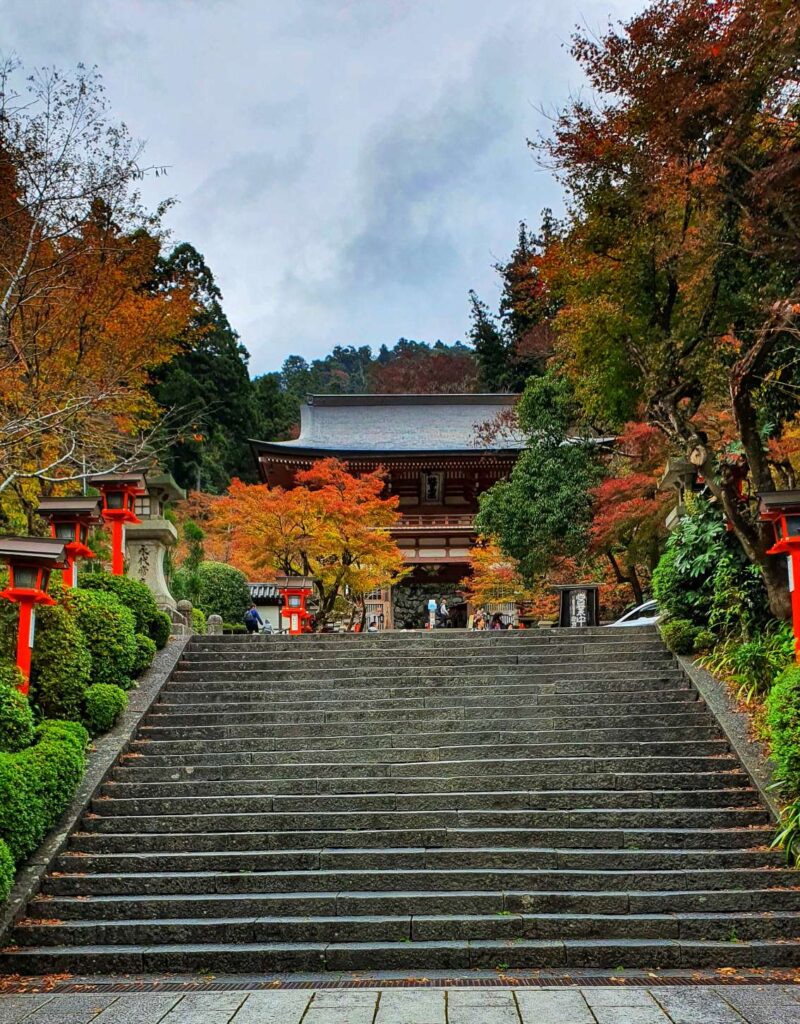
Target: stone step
[(692, 817), (414, 858), (331, 904), (432, 838), (622, 688), (487, 766), (249, 958), (109, 803), (492, 705), (435, 733), (730, 927), (704, 785), (405, 879)]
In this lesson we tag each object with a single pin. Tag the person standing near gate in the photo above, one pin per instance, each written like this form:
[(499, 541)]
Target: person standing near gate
[(432, 613)]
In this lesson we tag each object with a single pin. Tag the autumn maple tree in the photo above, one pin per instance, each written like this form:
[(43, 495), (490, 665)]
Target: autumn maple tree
[(82, 323), (333, 526), (679, 267)]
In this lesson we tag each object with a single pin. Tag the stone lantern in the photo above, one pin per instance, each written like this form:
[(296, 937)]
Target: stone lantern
[(119, 492), (148, 539), (782, 509), (70, 520), (30, 561)]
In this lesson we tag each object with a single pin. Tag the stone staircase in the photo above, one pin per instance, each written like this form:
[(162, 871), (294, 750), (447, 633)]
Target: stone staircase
[(420, 801)]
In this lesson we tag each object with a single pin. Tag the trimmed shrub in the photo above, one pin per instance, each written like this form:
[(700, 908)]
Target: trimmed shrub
[(16, 720), (783, 721), (109, 628), (234, 627), (104, 704), (145, 652), (678, 635), (223, 591), (6, 871), (198, 620), (161, 629), (704, 640), (134, 594), (10, 675), (37, 783), (61, 665)]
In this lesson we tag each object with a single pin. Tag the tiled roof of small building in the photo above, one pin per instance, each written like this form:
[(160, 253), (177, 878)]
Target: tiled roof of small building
[(397, 423)]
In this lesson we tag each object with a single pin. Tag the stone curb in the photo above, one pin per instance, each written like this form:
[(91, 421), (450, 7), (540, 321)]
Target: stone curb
[(736, 725), (104, 753)]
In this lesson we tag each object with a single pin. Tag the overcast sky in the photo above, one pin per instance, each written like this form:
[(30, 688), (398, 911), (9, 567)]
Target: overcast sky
[(349, 168)]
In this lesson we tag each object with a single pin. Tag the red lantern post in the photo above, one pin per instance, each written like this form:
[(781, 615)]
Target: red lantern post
[(30, 561), (295, 591), (119, 491), (782, 509), (70, 520)]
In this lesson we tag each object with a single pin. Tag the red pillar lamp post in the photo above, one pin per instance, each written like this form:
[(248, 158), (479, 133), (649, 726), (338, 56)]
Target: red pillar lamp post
[(30, 561), (782, 509), (295, 591), (70, 520), (119, 493)]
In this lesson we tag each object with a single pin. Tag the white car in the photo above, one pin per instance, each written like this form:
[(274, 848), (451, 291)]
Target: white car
[(642, 615)]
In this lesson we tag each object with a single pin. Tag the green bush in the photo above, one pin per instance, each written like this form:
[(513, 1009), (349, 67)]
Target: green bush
[(61, 665), (704, 640), (161, 629), (6, 871), (37, 783), (145, 652), (10, 675), (679, 635), (104, 704), (670, 588), (198, 621), (234, 627), (110, 632), (16, 720), (755, 663), (783, 722), (223, 591), (135, 595)]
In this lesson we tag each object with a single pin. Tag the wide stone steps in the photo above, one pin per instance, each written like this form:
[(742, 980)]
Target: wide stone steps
[(419, 801)]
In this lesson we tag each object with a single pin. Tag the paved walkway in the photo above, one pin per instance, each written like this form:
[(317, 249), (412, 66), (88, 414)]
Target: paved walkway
[(771, 1004)]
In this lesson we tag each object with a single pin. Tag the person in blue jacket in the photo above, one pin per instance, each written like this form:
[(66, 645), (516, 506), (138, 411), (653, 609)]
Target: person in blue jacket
[(252, 619)]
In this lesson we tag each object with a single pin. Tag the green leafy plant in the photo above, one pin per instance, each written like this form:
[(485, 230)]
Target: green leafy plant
[(104, 704), (783, 722), (7, 869), (704, 640), (679, 635), (10, 675), (223, 591), (16, 720), (161, 629), (198, 621), (752, 665), (37, 783), (145, 652), (61, 665), (234, 627), (134, 595), (788, 835), (109, 629)]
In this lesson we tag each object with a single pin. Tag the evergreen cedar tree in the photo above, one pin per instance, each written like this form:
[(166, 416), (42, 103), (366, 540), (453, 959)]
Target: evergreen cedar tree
[(677, 273), (333, 526)]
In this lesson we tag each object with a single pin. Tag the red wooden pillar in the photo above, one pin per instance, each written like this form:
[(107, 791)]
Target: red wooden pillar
[(119, 492), (782, 509)]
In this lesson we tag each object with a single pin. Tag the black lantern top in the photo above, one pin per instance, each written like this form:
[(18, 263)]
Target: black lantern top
[(70, 518), (119, 492)]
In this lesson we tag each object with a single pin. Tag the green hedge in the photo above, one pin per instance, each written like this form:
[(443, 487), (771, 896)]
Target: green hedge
[(7, 871), (61, 665), (679, 635), (104, 704), (37, 784), (161, 629), (198, 621), (145, 652), (136, 596), (223, 591), (109, 629), (16, 720), (783, 721)]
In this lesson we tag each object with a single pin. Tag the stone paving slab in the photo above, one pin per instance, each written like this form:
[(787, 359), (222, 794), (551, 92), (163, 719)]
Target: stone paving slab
[(743, 1004)]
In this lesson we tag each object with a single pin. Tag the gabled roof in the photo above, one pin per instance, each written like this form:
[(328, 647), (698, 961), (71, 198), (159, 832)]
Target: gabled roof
[(406, 424)]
